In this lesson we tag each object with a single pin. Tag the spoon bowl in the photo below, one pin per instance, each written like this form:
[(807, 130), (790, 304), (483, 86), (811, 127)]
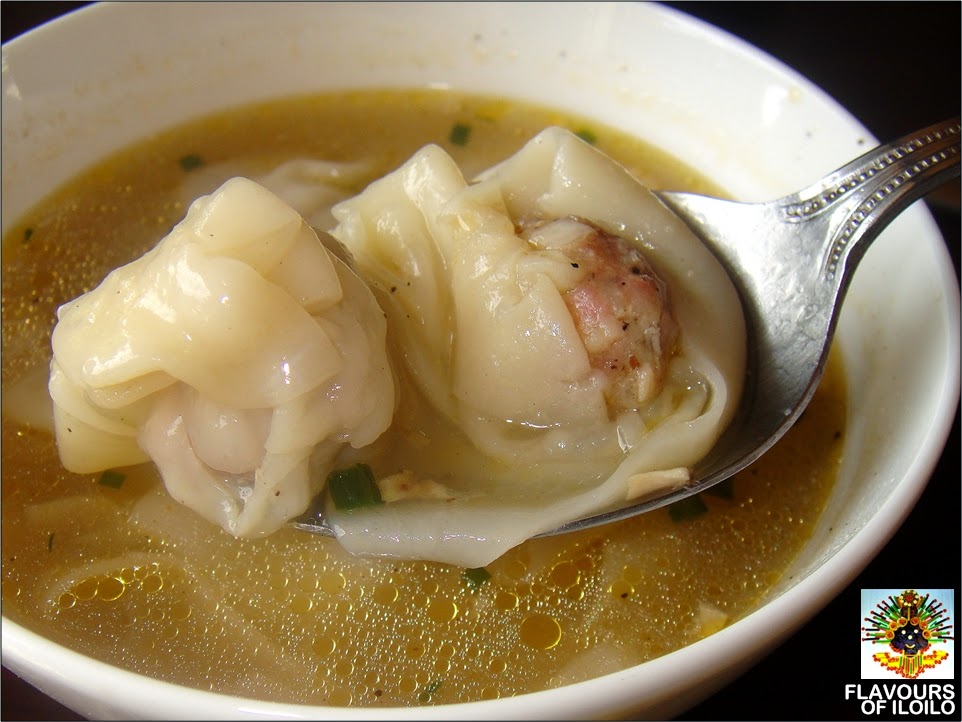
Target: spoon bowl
[(792, 260)]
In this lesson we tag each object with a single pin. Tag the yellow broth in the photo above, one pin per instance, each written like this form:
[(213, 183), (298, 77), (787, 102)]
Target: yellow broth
[(292, 617)]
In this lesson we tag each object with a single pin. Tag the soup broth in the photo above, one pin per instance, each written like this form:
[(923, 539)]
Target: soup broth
[(109, 565)]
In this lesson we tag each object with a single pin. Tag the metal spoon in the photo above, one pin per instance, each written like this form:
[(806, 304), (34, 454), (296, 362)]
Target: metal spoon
[(792, 260)]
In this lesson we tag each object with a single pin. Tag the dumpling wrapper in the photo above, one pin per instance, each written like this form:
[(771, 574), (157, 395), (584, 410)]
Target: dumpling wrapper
[(239, 355), (482, 333)]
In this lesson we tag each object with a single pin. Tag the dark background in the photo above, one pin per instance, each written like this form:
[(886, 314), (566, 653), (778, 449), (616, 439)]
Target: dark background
[(896, 67)]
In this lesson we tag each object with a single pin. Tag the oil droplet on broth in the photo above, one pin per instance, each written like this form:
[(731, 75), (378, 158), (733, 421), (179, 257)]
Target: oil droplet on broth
[(632, 574), (340, 697), (407, 685), (110, 589), (372, 679), (331, 582), (323, 672), (442, 610), (141, 573), (497, 665), (126, 575), (86, 590), (564, 575), (152, 583), (385, 594), (621, 589), (307, 583), (446, 650), (180, 611), (540, 631), (301, 604)]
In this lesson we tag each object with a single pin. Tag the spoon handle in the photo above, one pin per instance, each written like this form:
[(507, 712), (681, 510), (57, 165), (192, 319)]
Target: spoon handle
[(863, 196)]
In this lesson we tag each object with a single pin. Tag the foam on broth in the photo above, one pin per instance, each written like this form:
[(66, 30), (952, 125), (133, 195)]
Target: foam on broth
[(130, 577)]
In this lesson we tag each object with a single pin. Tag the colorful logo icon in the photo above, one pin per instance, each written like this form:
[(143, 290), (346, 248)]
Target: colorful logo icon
[(913, 630)]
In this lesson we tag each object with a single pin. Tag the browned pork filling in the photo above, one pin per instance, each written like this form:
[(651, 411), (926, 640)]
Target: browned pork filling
[(621, 308)]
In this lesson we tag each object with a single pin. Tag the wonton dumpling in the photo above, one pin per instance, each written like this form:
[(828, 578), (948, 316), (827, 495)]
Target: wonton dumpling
[(504, 331), (239, 355)]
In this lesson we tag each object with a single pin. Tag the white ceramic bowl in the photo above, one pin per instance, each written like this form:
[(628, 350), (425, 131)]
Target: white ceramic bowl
[(747, 122)]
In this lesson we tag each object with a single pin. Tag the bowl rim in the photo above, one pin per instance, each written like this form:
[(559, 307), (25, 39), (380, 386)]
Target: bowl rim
[(834, 574)]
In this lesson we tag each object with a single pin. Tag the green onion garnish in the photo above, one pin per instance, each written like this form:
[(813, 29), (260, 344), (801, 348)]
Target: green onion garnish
[(113, 479), (191, 161), (687, 509), (429, 690), (354, 487), (723, 489), (587, 136), (460, 134), (474, 578)]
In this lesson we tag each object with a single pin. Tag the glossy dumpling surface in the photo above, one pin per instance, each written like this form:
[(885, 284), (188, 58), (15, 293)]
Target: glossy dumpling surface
[(500, 294), (239, 355)]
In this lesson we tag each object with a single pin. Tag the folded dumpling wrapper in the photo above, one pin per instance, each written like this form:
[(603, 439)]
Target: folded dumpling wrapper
[(483, 339), (239, 354), (246, 360)]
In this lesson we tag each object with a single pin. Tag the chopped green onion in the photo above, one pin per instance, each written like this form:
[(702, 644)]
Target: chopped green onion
[(50, 542), (191, 161), (27, 234), (460, 134), (474, 578), (587, 136), (723, 489), (354, 487), (429, 690), (687, 509), (113, 479)]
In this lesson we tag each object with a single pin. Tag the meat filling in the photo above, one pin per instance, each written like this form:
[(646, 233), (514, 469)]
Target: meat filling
[(620, 307)]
